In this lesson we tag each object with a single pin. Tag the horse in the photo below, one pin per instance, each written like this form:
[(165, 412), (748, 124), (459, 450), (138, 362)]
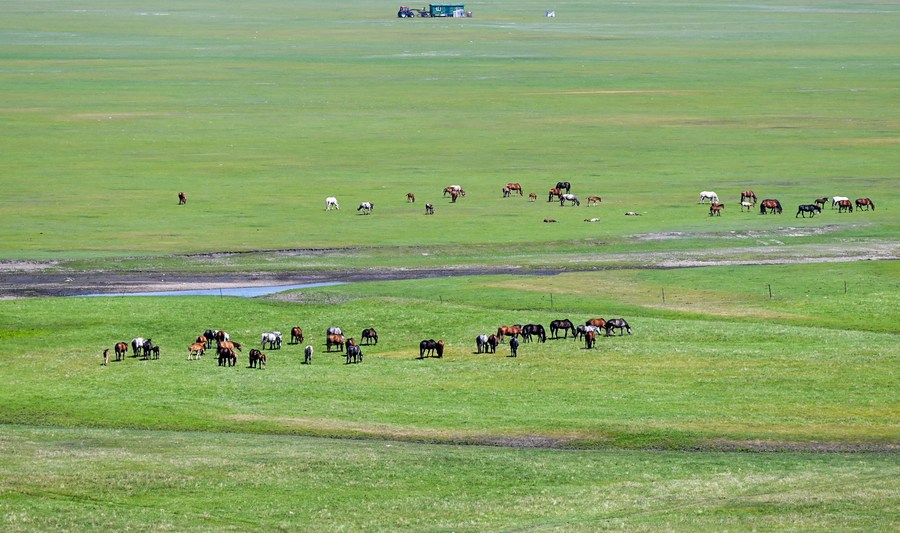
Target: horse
[(492, 343), (845, 205), (534, 329), (227, 357), (182, 199), (590, 337), (532, 197), (598, 322), (151, 351), (481, 343), (137, 346), (565, 325), (272, 338), (454, 195), (410, 198), (334, 340), (354, 354), (632, 214), (121, 350), (746, 195), (836, 200), (563, 185), (368, 335), (105, 357), (450, 188), (865, 202), (821, 201), (307, 355), (210, 336), (296, 335), (769, 206), (748, 205), (514, 187), (554, 192), (334, 330), (427, 347), (716, 209), (812, 209), (592, 219), (550, 220), (709, 195), (594, 200), (514, 347), (511, 331), (257, 359), (429, 209), (330, 202), (617, 323), (568, 198), (222, 336), (506, 191), (366, 207), (196, 351)]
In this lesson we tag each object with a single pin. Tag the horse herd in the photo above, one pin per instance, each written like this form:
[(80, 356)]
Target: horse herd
[(590, 331), (773, 206)]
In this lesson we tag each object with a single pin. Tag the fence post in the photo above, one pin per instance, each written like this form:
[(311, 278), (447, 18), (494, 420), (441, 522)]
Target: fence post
[(770, 291)]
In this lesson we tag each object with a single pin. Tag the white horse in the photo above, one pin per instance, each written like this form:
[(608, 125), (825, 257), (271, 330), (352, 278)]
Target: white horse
[(568, 197), (836, 200), (330, 202), (481, 342), (272, 338), (366, 207), (748, 205), (709, 195), (137, 345)]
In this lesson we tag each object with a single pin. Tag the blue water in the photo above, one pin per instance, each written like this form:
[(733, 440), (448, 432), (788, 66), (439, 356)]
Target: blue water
[(246, 292)]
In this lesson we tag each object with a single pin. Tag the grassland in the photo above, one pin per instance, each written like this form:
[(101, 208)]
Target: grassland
[(752, 396)]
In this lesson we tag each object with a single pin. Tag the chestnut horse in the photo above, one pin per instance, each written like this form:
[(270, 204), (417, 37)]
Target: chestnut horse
[(769, 206), (511, 331), (865, 202), (554, 192), (514, 187), (182, 199), (196, 350), (410, 197), (716, 209), (532, 197), (821, 201), (594, 200), (845, 205), (296, 335), (334, 340), (747, 195), (121, 350)]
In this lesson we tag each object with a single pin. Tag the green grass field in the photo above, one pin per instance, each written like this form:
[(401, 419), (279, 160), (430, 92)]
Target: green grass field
[(729, 409)]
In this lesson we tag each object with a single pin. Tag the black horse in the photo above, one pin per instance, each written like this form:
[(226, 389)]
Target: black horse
[(564, 185), (565, 325), (812, 209), (617, 323), (354, 354), (534, 329), (428, 347), (514, 347)]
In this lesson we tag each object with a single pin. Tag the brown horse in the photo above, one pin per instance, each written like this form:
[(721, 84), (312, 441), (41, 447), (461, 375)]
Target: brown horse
[(865, 202), (590, 337), (410, 197), (532, 197), (369, 335), (196, 350), (334, 340), (716, 209), (594, 200), (845, 205), (821, 201), (106, 357), (508, 331), (554, 192), (454, 195), (121, 350), (599, 322), (257, 359), (227, 357), (515, 187), (296, 335), (748, 195), (549, 220), (769, 206), (182, 199)]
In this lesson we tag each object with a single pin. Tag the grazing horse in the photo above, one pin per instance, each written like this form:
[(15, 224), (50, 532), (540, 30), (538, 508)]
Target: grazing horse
[(617, 323), (334, 340), (227, 357), (550, 220), (865, 202), (222, 336), (769, 206), (427, 347), (590, 338), (410, 198), (330, 202), (228, 344), (196, 351), (747, 195), (210, 336), (568, 198), (105, 357), (454, 195), (492, 343), (366, 207), (296, 335), (836, 200), (511, 331), (536, 330), (272, 338), (368, 335), (481, 343), (845, 205), (450, 188), (515, 187), (812, 209), (598, 322), (137, 346), (821, 201), (514, 347), (429, 209), (565, 325), (594, 200), (354, 354), (121, 350), (748, 205), (182, 199), (151, 351), (564, 185), (716, 209), (257, 358), (506, 191), (307, 355), (554, 192), (532, 197), (709, 195)]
